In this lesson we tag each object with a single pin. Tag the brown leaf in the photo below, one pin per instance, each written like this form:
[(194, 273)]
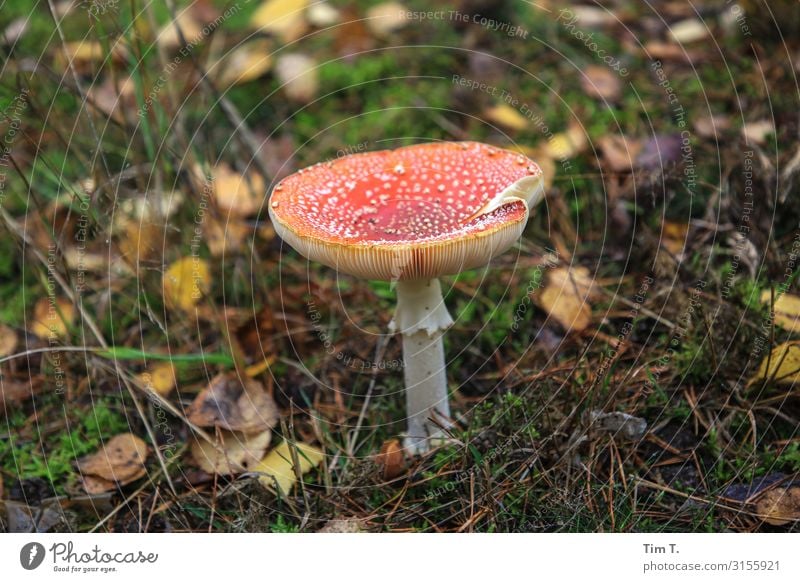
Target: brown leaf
[(710, 126), (601, 82), (757, 131), (780, 506), (619, 152), (120, 460), (392, 459), (673, 236), (235, 452), (565, 298), (233, 404), (13, 393)]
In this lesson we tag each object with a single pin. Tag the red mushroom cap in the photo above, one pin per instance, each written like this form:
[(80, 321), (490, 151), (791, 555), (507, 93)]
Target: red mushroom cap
[(417, 212)]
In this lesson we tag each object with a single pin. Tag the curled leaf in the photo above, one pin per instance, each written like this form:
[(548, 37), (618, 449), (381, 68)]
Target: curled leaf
[(232, 452), (120, 460)]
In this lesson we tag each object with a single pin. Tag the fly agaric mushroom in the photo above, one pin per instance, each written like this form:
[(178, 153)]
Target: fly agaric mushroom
[(410, 216)]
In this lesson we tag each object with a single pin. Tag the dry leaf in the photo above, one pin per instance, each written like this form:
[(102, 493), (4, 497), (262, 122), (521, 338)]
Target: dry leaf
[(673, 236), (392, 459), (85, 55), (506, 116), (710, 127), (96, 485), (386, 18), (160, 378), (235, 452), (238, 194), (278, 470), (233, 404), (13, 392), (52, 317), (297, 74), (245, 63), (619, 152), (779, 506), (284, 18), (190, 26), (224, 237), (186, 281), (786, 309), (757, 131), (8, 340), (323, 15), (342, 526), (565, 298), (566, 145), (120, 460), (689, 30), (601, 82), (784, 365)]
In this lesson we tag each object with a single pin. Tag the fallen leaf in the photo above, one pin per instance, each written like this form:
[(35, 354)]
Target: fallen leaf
[(52, 317), (619, 152), (8, 340), (710, 126), (13, 393), (186, 281), (85, 55), (506, 116), (566, 145), (297, 74), (247, 62), (782, 365), (238, 194), (786, 310), (233, 404), (96, 485), (284, 18), (342, 526), (629, 426), (233, 452), (323, 15), (564, 297), (593, 16), (673, 236), (757, 131), (391, 459), (224, 237), (190, 25), (160, 378), (689, 30), (601, 82), (278, 470), (779, 506), (386, 18), (120, 460)]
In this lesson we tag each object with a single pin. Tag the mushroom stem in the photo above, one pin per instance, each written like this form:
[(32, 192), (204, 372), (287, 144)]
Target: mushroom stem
[(422, 317)]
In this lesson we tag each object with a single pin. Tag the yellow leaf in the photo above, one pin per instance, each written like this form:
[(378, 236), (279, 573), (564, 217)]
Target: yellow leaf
[(52, 317), (782, 365), (278, 469), (285, 18), (238, 194), (160, 378), (507, 116), (245, 63), (8, 340), (673, 236), (566, 145), (186, 281), (786, 309), (565, 298), (386, 18)]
